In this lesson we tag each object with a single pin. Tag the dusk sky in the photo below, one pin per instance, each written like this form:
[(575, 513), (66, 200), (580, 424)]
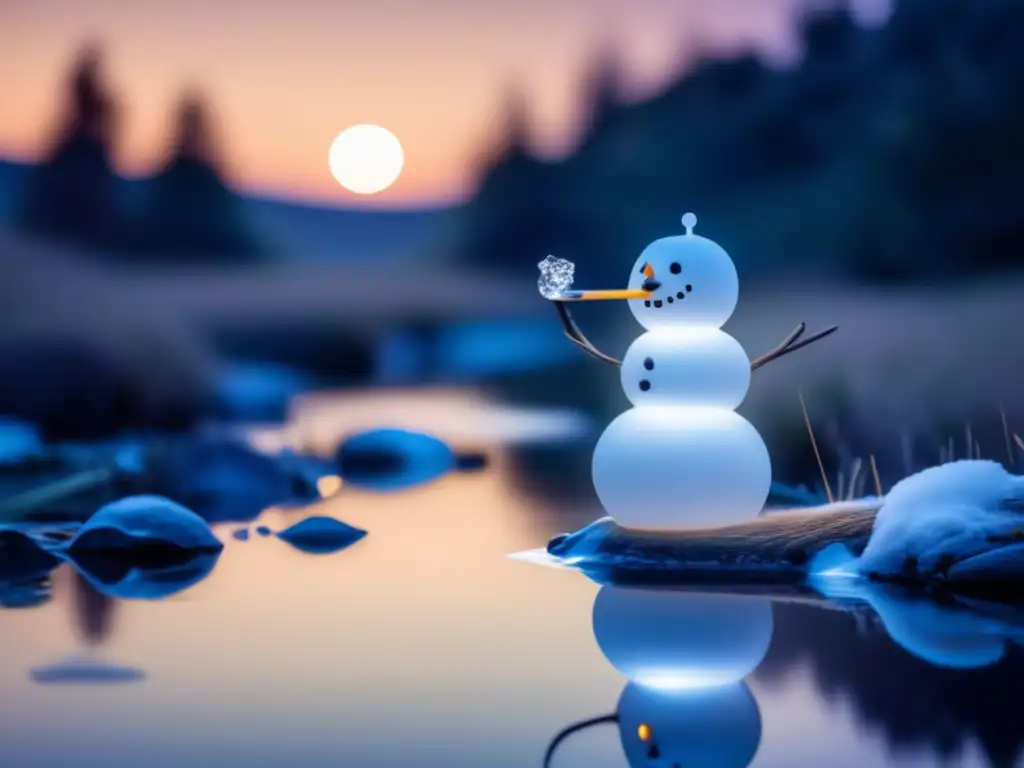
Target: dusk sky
[(286, 76)]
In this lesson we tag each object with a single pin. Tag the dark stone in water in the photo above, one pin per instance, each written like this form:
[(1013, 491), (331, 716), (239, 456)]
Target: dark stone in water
[(259, 392), (242, 534), (145, 526), (471, 462), (19, 442), (393, 459), (24, 595), (262, 530), (22, 559), (321, 535), (224, 480), (370, 462)]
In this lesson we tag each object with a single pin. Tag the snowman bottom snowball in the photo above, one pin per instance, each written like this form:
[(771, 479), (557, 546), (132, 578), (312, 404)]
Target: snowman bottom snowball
[(671, 468)]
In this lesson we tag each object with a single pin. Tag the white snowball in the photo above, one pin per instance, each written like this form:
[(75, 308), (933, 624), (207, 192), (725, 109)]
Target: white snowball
[(667, 468), (717, 728), (676, 640), (704, 290), (686, 365)]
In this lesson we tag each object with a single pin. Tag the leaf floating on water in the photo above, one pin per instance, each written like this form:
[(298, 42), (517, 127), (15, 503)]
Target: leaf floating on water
[(321, 535)]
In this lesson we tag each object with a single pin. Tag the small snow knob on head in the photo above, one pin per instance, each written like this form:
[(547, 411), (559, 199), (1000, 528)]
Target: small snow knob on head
[(689, 221)]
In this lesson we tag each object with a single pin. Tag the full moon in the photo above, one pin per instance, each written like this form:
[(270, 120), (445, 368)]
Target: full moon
[(366, 159)]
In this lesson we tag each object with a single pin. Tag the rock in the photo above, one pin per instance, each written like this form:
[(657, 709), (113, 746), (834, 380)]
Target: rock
[(224, 480), (321, 535), (18, 441), (259, 392), (262, 530), (471, 462), (393, 459), (1003, 565), (24, 595), (22, 558), (118, 579), (85, 672), (241, 534), (144, 523)]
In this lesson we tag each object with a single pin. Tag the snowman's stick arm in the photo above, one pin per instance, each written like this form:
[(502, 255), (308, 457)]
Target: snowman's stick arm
[(575, 335), (790, 344), (575, 728)]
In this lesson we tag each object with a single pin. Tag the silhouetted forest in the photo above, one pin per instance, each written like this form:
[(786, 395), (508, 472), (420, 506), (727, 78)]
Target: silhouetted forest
[(889, 153), (185, 211)]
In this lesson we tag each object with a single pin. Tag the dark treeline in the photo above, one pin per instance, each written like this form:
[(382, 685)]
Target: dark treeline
[(184, 210), (888, 153)]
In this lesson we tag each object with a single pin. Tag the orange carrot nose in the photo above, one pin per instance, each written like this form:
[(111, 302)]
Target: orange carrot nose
[(648, 270)]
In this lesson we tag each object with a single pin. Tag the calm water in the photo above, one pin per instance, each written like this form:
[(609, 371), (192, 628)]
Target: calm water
[(425, 645)]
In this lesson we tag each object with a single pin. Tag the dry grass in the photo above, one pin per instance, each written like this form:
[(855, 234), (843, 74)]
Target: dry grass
[(854, 487), (878, 480), (817, 454)]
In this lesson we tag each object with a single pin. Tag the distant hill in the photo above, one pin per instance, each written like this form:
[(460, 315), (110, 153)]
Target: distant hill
[(294, 231)]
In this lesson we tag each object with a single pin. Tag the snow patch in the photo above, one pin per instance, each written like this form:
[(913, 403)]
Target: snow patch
[(942, 516)]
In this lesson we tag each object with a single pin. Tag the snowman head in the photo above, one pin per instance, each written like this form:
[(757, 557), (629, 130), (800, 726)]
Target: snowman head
[(694, 281)]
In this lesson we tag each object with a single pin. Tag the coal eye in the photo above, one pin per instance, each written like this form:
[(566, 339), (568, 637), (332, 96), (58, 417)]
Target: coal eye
[(675, 268)]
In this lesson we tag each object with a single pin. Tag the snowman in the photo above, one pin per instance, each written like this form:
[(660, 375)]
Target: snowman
[(681, 457)]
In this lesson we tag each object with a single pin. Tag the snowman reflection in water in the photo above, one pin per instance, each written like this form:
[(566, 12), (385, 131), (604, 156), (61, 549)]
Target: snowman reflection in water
[(686, 655)]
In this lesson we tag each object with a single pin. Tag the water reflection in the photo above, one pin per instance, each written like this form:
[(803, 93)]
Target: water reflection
[(94, 612), (98, 584), (953, 635), (25, 570), (124, 580), (675, 640), (937, 676), (686, 655), (85, 671), (717, 727)]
